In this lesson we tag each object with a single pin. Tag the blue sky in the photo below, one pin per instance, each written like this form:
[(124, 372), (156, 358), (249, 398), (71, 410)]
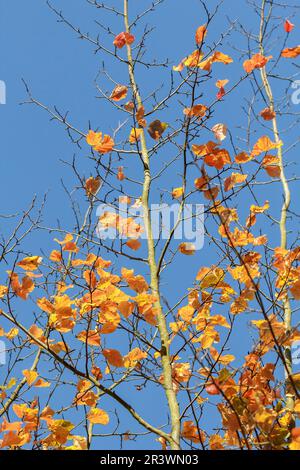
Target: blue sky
[(60, 70)]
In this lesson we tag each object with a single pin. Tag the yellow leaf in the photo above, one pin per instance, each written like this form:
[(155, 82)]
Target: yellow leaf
[(30, 263), (30, 376), (97, 416)]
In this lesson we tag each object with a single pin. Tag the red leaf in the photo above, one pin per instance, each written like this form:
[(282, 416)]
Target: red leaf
[(288, 26)]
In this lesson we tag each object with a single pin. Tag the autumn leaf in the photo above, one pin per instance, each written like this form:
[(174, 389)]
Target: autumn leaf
[(220, 131), (210, 277), (140, 116), (177, 193), (257, 61), (205, 149), (3, 291), (201, 183), (272, 166), (156, 129), (133, 244), (200, 34), (12, 333), (268, 114), (216, 442), (186, 313), (295, 444), (100, 143), (264, 144), (123, 38), (134, 357), (218, 158), (55, 256), (198, 110), (126, 308), (220, 84), (215, 57), (193, 60), (90, 337), (41, 383), (119, 93), (191, 433), (187, 248), (243, 157), (92, 185), (180, 66), (288, 26), (181, 372), (213, 156), (135, 135), (97, 416), (129, 106), (68, 244), (120, 174), (113, 357), (22, 289), (30, 376), (212, 389), (291, 52), (233, 179), (31, 263)]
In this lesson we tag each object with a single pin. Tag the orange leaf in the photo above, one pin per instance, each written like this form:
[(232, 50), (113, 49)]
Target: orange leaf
[(123, 38), (233, 179), (92, 185), (45, 305), (41, 383), (30, 376), (113, 357), (140, 116), (55, 256), (180, 66), (191, 433), (187, 248), (199, 110), (288, 26), (134, 357), (218, 159), (177, 193), (102, 144), (11, 334), (135, 134), (215, 57), (243, 157), (267, 114), (121, 174), (193, 60), (272, 166), (156, 129), (264, 144), (133, 244), (291, 52), (97, 416), (203, 150), (31, 263), (126, 308), (24, 289), (201, 183), (221, 85), (257, 61), (200, 34), (119, 93), (91, 337)]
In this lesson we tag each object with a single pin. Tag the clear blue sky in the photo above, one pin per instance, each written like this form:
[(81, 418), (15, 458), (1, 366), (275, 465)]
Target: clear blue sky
[(60, 70)]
